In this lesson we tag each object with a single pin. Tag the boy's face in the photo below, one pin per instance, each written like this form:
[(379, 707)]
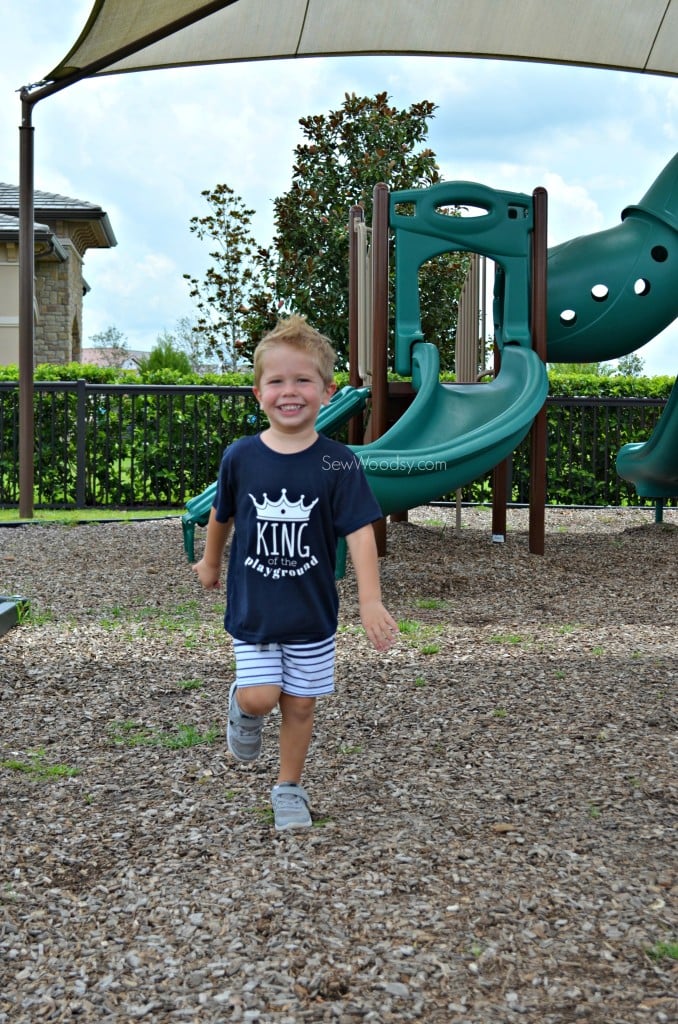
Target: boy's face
[(291, 390)]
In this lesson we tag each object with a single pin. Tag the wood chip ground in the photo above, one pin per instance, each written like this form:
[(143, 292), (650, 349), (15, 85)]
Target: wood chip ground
[(494, 799)]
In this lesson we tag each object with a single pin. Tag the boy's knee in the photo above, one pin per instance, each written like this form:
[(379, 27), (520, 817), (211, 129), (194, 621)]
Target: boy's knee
[(257, 700), (300, 708)]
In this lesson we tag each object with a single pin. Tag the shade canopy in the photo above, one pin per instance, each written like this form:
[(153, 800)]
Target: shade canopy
[(124, 35)]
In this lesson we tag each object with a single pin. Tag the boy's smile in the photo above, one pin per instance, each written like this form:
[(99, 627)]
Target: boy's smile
[(291, 390)]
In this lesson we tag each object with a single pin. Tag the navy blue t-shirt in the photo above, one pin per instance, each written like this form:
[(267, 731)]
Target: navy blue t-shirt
[(289, 512)]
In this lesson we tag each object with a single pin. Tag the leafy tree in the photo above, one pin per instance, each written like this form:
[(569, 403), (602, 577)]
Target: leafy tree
[(165, 355), (347, 152), (578, 369), (227, 325), (185, 338), (112, 345), (630, 366)]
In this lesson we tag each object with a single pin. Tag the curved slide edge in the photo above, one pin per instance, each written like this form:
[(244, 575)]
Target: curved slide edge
[(453, 434), (652, 466)]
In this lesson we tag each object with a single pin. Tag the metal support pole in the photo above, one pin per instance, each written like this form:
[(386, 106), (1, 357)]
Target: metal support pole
[(500, 476), (538, 436), (356, 216), (379, 421), (26, 315)]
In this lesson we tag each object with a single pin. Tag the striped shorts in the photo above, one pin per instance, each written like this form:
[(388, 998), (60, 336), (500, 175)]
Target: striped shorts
[(302, 670)]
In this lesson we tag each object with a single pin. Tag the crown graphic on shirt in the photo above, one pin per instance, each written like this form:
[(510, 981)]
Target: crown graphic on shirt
[(283, 510)]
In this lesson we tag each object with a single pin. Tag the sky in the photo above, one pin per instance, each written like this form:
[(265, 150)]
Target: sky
[(144, 146)]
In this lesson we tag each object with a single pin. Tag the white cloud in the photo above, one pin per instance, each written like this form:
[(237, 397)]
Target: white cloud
[(145, 146)]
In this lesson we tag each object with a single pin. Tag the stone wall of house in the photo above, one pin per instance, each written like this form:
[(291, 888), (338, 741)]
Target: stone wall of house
[(58, 294)]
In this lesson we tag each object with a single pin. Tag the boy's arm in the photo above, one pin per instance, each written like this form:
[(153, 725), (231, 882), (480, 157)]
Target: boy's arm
[(379, 626), (208, 569)]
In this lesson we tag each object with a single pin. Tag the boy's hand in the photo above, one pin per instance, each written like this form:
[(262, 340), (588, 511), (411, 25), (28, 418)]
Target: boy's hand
[(208, 574), (380, 627)]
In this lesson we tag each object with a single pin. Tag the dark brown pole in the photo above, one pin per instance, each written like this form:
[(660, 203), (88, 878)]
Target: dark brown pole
[(379, 420), (379, 311), (538, 434), (356, 216), (26, 321), (499, 480)]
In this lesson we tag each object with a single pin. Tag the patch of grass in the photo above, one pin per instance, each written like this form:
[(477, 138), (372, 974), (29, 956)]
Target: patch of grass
[(507, 638), (130, 734), (664, 950), (434, 522), (28, 615), (265, 814), (348, 748), (421, 634), (190, 684), (420, 681), (38, 767), (430, 603), (186, 736), (143, 621), (499, 713), (135, 734), (71, 517), (594, 812)]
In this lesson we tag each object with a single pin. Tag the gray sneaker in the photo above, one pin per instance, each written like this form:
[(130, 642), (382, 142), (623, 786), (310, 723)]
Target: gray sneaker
[(243, 734), (290, 806)]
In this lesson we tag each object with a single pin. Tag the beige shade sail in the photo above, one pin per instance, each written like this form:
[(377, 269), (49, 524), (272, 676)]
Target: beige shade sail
[(125, 35)]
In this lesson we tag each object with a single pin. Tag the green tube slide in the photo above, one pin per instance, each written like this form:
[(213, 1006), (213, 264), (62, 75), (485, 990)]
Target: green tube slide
[(652, 466), (453, 433)]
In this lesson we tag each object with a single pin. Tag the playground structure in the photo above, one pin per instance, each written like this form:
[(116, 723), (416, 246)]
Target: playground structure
[(12, 608), (593, 298), (607, 294)]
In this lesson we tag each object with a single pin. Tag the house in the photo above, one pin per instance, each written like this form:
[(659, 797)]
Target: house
[(124, 359), (64, 230)]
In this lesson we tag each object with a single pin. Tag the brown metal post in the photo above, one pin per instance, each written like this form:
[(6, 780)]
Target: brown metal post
[(538, 434), (356, 216), (379, 420), (379, 311), (26, 322), (499, 480)]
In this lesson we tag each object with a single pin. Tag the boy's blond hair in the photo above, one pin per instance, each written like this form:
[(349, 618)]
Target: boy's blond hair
[(297, 332)]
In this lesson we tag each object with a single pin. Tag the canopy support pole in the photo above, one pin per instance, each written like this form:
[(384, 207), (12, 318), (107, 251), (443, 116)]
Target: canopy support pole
[(26, 314)]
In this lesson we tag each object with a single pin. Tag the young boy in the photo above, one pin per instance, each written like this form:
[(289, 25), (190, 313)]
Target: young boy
[(290, 493)]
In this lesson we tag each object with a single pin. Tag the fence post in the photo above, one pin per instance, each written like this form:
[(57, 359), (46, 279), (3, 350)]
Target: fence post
[(81, 444)]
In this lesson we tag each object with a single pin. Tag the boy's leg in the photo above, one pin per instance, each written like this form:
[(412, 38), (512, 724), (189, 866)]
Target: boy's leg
[(290, 800), (296, 729), (254, 693), (308, 672)]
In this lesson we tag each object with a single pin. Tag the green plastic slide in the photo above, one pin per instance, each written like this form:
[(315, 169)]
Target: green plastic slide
[(653, 465), (453, 433)]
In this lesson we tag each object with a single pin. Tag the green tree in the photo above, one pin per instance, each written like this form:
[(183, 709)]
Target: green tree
[(165, 355), (630, 366), (347, 152), (112, 346), (578, 369), (187, 339), (227, 321)]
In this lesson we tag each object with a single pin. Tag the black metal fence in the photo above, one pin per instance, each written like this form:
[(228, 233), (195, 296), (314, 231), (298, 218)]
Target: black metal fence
[(139, 445)]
